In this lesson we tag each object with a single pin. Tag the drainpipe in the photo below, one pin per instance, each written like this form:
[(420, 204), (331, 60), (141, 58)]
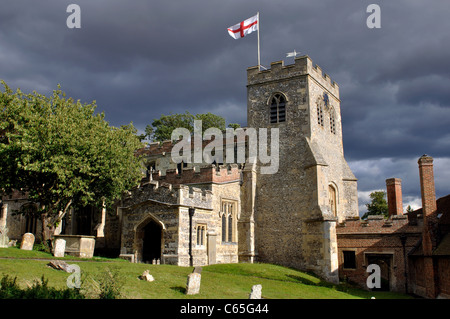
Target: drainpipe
[(191, 214)]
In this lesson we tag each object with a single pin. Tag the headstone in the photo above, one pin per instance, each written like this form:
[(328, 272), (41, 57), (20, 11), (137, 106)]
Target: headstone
[(4, 240), (193, 284), (27, 241), (256, 292), (146, 276), (60, 247), (60, 265)]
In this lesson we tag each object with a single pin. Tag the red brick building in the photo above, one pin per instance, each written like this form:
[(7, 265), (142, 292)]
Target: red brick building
[(412, 250)]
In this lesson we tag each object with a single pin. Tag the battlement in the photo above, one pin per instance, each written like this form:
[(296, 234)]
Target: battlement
[(198, 175), (378, 225), (302, 66), (169, 194)]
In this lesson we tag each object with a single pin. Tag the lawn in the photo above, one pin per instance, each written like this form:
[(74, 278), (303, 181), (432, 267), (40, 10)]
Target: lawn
[(224, 281)]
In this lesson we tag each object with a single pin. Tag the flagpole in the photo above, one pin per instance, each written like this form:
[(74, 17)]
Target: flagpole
[(259, 54)]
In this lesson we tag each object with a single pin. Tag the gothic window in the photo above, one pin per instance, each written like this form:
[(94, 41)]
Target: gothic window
[(229, 221), (201, 235), (277, 108), (332, 199), (332, 122)]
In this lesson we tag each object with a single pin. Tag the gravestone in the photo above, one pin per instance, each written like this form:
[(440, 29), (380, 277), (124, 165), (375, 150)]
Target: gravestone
[(4, 240), (193, 284), (256, 292), (60, 247), (27, 241), (146, 276)]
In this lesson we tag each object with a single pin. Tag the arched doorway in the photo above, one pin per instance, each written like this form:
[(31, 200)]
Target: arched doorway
[(151, 245)]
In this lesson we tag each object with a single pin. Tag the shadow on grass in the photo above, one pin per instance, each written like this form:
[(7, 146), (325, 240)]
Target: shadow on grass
[(179, 289)]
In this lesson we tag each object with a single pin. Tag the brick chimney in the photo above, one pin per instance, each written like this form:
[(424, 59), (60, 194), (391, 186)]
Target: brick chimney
[(427, 185), (429, 222), (394, 196)]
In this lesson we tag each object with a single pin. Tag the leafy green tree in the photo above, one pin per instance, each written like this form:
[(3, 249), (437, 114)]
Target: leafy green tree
[(378, 205), (234, 125), (161, 129), (61, 153)]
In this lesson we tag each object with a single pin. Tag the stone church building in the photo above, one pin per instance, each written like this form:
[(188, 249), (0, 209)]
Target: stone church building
[(200, 214)]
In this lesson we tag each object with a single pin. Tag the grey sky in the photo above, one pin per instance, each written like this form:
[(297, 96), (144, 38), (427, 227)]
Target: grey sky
[(139, 59)]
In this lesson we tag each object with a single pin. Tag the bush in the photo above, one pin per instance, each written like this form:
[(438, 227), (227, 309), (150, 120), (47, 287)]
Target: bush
[(110, 285), (10, 290)]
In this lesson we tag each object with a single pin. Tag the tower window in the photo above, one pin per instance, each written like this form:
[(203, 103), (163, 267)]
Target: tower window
[(277, 109)]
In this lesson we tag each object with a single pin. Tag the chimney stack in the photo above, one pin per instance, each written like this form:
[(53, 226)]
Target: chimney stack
[(429, 222), (394, 196), (427, 185)]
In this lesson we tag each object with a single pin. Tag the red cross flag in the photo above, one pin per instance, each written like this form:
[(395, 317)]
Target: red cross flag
[(245, 27)]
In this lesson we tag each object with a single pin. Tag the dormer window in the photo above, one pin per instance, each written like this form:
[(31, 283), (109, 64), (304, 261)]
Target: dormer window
[(277, 108)]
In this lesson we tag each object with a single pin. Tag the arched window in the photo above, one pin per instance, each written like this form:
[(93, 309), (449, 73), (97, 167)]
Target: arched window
[(332, 199), (201, 235), (277, 108), (229, 221)]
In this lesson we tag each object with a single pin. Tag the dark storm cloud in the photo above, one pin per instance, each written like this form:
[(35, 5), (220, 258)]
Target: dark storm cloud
[(139, 59)]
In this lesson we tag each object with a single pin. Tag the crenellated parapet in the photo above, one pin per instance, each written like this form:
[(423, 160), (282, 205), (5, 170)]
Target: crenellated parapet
[(302, 66), (198, 175), (165, 193), (377, 224)]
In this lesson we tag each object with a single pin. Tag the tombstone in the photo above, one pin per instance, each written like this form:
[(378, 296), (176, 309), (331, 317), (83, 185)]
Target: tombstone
[(158, 262), (27, 241), (256, 292), (60, 265), (193, 284), (146, 276), (4, 240), (60, 247)]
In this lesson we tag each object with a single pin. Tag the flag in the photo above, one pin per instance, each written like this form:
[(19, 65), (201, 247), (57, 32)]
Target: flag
[(245, 27)]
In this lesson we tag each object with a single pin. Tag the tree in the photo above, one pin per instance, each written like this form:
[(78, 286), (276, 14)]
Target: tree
[(378, 205), (161, 129), (234, 125), (61, 153)]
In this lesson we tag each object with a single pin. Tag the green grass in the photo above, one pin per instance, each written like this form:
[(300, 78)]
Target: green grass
[(232, 281)]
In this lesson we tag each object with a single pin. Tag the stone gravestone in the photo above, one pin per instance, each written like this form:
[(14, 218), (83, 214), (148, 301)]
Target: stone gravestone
[(256, 292), (4, 240), (27, 241), (60, 247), (146, 276), (193, 282)]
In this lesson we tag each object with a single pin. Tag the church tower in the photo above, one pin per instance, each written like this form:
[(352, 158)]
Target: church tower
[(296, 209)]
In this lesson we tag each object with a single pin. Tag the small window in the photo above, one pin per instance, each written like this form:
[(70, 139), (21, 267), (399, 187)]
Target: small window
[(277, 109), (332, 199), (229, 221), (201, 235), (349, 259)]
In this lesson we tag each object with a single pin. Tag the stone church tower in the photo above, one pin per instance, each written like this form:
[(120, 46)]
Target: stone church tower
[(294, 212)]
